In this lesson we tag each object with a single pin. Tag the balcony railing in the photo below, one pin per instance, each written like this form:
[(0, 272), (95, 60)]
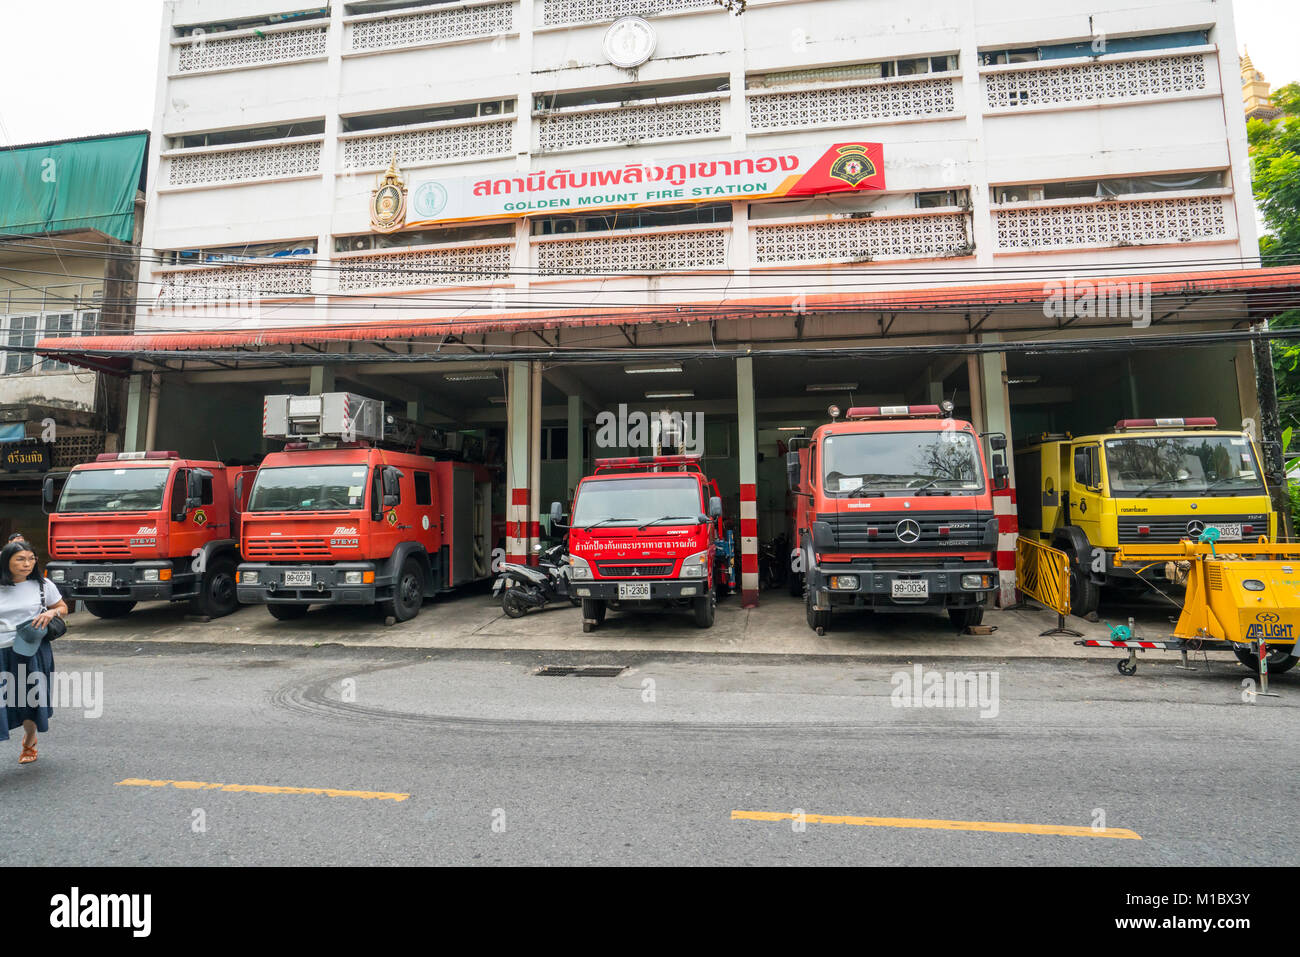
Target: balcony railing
[(429, 143), (674, 118), (1044, 84), (921, 235), (422, 26), (563, 12), (669, 249), (425, 268), (252, 161), (232, 283), (245, 48), (866, 101), (1110, 223)]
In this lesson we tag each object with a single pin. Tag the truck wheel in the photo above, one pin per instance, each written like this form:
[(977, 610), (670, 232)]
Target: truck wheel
[(110, 609), (217, 597), (795, 582), (1280, 661), (1085, 594), (408, 593), (963, 618), (818, 621), (281, 612), (593, 613), (704, 612)]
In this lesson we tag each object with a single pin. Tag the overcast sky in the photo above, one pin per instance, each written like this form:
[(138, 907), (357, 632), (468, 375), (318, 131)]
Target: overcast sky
[(79, 67)]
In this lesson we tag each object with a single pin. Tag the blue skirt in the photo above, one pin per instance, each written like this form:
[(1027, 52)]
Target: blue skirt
[(15, 702)]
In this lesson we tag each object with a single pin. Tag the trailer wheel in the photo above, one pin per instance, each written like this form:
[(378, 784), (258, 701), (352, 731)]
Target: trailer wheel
[(408, 593), (110, 609), (1279, 661), (704, 612), (283, 612), (217, 597), (818, 621), (1126, 669)]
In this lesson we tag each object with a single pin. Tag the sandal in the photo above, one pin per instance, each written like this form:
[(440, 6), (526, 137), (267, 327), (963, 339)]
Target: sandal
[(28, 755)]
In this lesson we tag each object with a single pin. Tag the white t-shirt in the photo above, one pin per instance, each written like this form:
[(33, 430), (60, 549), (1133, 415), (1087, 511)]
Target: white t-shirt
[(20, 603)]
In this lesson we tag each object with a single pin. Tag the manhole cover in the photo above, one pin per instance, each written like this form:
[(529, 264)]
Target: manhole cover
[(580, 671)]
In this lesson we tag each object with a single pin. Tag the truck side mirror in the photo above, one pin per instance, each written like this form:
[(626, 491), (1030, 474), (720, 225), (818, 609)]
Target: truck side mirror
[(793, 476), (194, 487), (235, 506), (1000, 472), (715, 507), (392, 488), (997, 442), (47, 494), (557, 515)]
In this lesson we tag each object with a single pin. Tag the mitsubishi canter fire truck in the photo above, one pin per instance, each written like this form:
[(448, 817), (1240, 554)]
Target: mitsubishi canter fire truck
[(335, 519), (644, 531), (1146, 482), (894, 512), (146, 526)]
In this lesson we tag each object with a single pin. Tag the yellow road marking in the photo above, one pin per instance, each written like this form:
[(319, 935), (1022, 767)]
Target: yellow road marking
[(1064, 830), (261, 789)]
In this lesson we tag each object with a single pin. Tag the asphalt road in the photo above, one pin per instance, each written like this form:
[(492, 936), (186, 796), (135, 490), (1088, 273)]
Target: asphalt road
[(501, 766)]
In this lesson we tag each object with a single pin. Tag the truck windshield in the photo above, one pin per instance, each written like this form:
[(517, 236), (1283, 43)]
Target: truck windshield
[(113, 490), (943, 463), (634, 501), (1181, 465), (308, 488)]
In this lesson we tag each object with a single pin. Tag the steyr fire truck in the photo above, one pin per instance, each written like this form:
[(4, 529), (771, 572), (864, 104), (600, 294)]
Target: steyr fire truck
[(894, 512), (644, 531), (146, 526), (335, 519)]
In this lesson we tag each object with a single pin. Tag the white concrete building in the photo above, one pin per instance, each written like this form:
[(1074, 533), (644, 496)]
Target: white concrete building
[(1025, 146)]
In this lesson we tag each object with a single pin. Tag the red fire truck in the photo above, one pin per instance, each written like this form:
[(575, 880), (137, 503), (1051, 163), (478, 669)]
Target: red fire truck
[(334, 519), (895, 513), (146, 526), (644, 531)]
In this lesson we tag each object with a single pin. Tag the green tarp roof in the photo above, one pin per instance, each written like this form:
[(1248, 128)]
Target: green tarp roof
[(72, 184)]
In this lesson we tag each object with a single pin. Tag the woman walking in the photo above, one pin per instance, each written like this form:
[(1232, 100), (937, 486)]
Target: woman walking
[(26, 599)]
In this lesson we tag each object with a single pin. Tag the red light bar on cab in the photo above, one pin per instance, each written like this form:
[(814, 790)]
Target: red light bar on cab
[(895, 412), (133, 456), (1204, 422), (632, 460)]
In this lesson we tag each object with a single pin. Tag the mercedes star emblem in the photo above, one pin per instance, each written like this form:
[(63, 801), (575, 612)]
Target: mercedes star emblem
[(908, 531), (1195, 527)]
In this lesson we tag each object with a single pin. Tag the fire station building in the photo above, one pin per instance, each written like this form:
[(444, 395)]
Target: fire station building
[(518, 221)]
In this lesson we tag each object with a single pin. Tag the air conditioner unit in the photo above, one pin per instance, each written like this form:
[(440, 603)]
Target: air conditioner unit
[(1036, 194), (361, 242)]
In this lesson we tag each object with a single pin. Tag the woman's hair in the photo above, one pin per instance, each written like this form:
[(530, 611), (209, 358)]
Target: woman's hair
[(7, 553)]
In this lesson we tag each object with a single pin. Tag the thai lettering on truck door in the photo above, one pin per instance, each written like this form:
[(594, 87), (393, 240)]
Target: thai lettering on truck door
[(1086, 491)]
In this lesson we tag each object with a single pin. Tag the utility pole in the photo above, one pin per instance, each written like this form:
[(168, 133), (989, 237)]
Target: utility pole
[(1270, 431)]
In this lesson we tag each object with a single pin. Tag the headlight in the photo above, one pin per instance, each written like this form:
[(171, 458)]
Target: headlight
[(57, 575), (1253, 584), (579, 567), (352, 578), (974, 581), (844, 582), (149, 575), (249, 578), (695, 566)]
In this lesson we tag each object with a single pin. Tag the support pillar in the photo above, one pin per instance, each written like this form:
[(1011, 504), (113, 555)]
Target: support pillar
[(534, 458), (748, 451), (322, 380), (575, 445), (151, 421), (520, 447), (996, 407), (137, 413)]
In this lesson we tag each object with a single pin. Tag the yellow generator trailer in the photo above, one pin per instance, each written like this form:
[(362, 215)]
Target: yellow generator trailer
[(1146, 482)]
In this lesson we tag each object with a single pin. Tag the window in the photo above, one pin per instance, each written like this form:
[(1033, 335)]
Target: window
[(624, 95), (221, 26), (688, 215), (555, 444), (22, 331), (428, 114), (423, 489), (936, 200), (1086, 472), (58, 324), (179, 488), (249, 135), (205, 490), (1004, 57), (875, 70), (1110, 187), (219, 254), (424, 237)]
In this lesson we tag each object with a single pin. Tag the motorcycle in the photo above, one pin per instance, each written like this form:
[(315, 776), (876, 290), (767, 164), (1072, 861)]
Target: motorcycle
[(523, 587)]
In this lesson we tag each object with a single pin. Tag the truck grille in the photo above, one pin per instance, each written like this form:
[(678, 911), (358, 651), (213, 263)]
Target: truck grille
[(92, 548), (286, 549), (1169, 529), (853, 530), (631, 570)]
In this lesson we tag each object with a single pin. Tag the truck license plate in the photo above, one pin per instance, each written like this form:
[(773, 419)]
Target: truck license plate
[(909, 588), (297, 578), (99, 580), (1228, 533), (632, 591)]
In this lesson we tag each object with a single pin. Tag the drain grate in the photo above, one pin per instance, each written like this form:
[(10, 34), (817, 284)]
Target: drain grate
[(580, 671)]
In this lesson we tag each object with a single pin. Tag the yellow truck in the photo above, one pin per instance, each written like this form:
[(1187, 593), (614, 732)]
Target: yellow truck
[(1147, 482)]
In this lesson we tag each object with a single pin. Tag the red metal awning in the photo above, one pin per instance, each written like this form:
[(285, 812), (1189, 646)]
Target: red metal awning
[(109, 353)]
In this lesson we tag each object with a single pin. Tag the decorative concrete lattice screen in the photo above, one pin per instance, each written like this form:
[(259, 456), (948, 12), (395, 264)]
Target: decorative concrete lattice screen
[(861, 240), (209, 51), (884, 101), (433, 26), (592, 11), (629, 124), (233, 166), (1136, 223), (424, 146), (651, 252), (1091, 82), (426, 269), (234, 283), (70, 449)]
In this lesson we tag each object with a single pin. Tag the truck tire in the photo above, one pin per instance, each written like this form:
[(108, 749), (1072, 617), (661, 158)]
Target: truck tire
[(283, 612), (1085, 594), (109, 609), (704, 612), (963, 618), (818, 621), (1280, 661), (593, 613), (408, 593), (795, 582), (217, 597)]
